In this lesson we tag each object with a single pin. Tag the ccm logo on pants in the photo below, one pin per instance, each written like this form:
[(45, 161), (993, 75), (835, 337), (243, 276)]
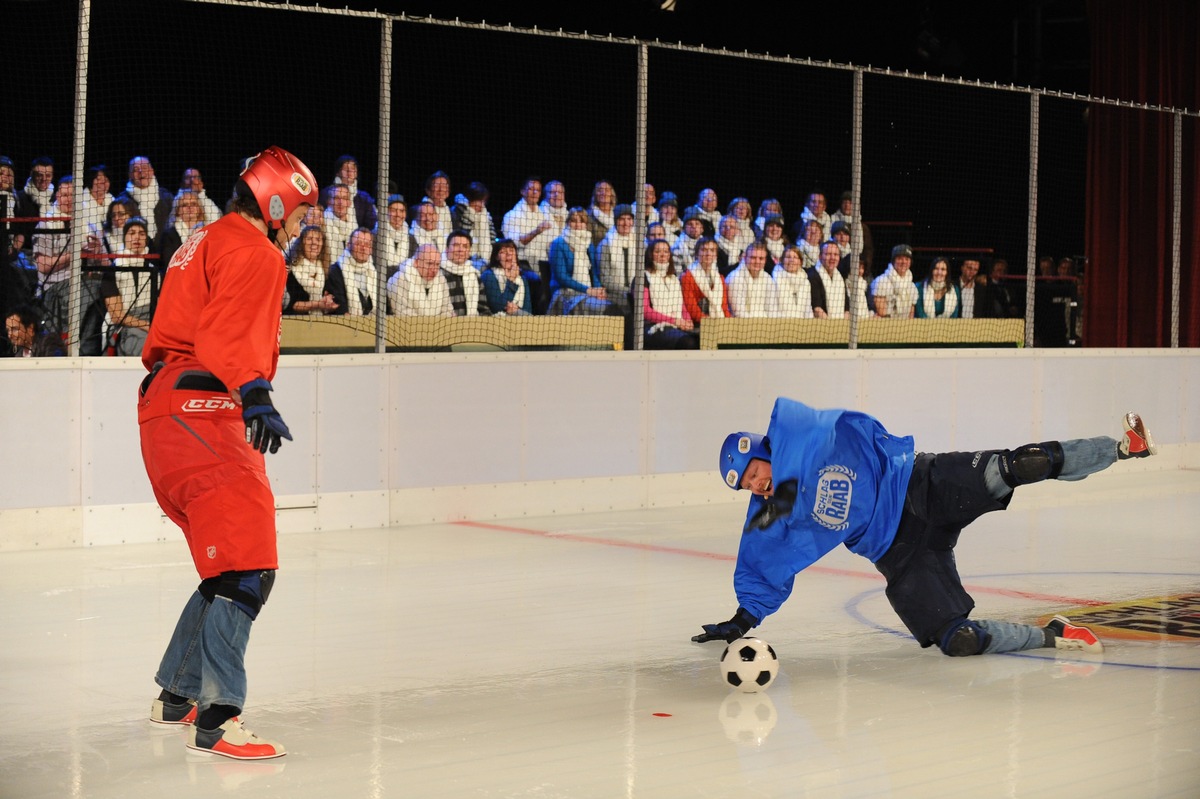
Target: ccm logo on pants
[(210, 404)]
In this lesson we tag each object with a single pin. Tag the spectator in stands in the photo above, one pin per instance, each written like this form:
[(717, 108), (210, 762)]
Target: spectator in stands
[(425, 229), (729, 242), (128, 291), (810, 243), (600, 212), (52, 254), (1001, 298), (338, 221), (857, 291), (353, 279), (315, 215), (26, 337), (187, 216), (192, 179), (741, 212), (656, 231), (668, 326), (668, 215), (766, 209), (471, 216), (774, 239), (684, 250), (308, 273), (703, 286), (972, 294), (111, 235), (39, 188), (555, 207), (937, 296), (529, 226), (503, 285), (361, 211), (153, 203), (792, 285), (840, 233), (420, 288), (616, 257), (11, 204), (437, 192), (462, 277), (97, 198), (706, 209), (751, 288), (574, 277), (829, 296), (1045, 266), (815, 209), (646, 205), (397, 243), (846, 213), (893, 292)]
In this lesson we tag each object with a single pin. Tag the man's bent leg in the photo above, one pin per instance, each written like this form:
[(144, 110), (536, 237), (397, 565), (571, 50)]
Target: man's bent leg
[(180, 669)]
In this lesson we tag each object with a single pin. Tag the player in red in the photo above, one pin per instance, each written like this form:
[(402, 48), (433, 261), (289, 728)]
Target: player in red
[(206, 420)]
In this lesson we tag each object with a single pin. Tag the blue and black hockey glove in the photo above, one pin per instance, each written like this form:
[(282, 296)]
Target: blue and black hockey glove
[(265, 428), (727, 631)]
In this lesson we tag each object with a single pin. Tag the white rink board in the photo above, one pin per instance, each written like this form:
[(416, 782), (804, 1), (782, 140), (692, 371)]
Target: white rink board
[(404, 439)]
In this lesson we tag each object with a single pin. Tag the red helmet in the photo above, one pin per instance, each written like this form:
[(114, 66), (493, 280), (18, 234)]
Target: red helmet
[(279, 182)]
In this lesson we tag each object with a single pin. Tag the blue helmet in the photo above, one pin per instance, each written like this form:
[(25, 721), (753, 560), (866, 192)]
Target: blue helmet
[(736, 454)]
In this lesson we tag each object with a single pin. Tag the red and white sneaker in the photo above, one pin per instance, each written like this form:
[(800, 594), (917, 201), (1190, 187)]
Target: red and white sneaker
[(1073, 636), (1136, 443), (166, 713), (232, 739)]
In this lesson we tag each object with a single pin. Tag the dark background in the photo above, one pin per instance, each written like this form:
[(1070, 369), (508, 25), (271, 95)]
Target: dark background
[(190, 84)]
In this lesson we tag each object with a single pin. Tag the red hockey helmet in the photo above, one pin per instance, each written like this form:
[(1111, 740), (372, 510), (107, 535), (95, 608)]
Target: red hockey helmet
[(279, 182)]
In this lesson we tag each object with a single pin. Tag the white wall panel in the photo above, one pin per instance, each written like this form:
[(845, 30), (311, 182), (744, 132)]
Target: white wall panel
[(40, 435)]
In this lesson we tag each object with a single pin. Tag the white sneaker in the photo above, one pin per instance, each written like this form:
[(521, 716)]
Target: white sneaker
[(232, 739), (1073, 636)]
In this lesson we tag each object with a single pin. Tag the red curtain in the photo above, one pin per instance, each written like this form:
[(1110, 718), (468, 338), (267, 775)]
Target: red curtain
[(1142, 53)]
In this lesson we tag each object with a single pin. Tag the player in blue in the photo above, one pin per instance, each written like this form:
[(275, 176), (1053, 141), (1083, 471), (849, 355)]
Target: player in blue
[(826, 477)]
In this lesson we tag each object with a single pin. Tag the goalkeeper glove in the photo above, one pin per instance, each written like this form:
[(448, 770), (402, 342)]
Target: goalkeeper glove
[(728, 631)]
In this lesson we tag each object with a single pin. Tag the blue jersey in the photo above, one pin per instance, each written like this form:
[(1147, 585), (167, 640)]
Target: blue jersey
[(850, 477)]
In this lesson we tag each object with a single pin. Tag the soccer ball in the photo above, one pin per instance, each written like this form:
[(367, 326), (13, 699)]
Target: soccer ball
[(749, 665)]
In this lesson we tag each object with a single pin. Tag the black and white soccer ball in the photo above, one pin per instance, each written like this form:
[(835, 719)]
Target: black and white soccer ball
[(749, 665)]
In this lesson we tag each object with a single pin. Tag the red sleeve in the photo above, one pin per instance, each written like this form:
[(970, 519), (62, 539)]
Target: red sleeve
[(237, 335), (691, 297)]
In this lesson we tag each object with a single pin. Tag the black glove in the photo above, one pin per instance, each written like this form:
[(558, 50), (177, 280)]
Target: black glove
[(264, 426), (777, 505), (728, 631)]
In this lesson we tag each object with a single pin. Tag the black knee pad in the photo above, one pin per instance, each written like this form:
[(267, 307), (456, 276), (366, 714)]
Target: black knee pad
[(1031, 463), (247, 590), (964, 638)]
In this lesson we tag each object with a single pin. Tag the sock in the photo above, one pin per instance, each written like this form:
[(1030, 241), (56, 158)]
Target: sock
[(214, 716), (172, 699)]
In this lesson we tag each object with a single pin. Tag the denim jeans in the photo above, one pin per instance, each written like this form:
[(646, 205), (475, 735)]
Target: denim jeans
[(1081, 457), (205, 659), (1009, 637)]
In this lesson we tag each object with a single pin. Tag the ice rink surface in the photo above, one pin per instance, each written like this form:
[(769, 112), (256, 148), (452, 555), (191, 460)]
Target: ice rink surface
[(550, 657)]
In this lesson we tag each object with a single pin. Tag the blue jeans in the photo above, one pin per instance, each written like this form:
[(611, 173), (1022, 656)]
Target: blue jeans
[(1009, 637), (1081, 457), (205, 659)]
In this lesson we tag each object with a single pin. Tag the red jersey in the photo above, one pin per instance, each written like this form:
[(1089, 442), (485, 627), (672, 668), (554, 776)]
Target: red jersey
[(221, 304)]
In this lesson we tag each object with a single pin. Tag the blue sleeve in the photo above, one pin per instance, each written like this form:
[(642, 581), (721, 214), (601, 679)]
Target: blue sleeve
[(497, 301), (920, 314), (562, 264)]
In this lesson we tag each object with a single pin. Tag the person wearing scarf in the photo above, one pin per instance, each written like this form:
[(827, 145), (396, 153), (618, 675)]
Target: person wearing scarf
[(127, 293), (555, 206), (703, 287), (471, 216), (730, 244), (420, 288), (600, 213), (751, 288), (617, 259), (52, 254), (574, 279), (503, 285), (529, 226), (39, 188), (793, 286), (684, 251), (425, 229), (187, 216), (937, 298), (192, 179), (398, 244), (437, 192), (668, 326), (466, 290), (11, 203), (774, 239), (352, 280), (739, 209), (97, 199), (810, 243), (668, 215), (362, 204), (153, 203), (828, 285), (815, 209), (308, 272), (706, 209), (766, 209), (338, 222), (646, 206), (893, 291)]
